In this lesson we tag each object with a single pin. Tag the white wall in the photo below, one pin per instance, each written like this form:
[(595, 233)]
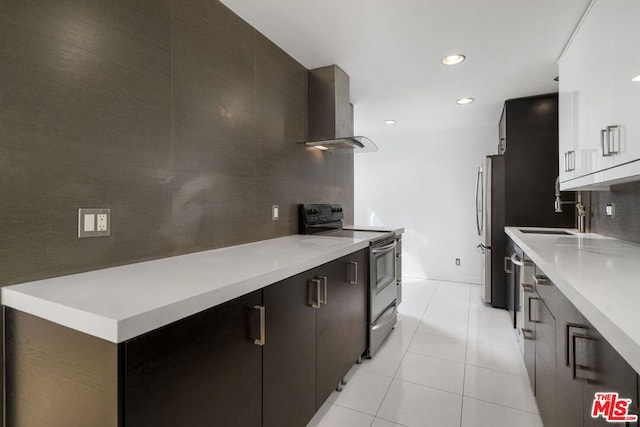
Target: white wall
[(425, 182)]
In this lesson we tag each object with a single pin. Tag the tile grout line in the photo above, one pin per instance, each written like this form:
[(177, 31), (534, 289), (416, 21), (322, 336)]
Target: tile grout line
[(464, 371), (503, 405)]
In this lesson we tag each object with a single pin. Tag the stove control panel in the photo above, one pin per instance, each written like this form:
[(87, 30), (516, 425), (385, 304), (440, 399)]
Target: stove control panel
[(319, 213)]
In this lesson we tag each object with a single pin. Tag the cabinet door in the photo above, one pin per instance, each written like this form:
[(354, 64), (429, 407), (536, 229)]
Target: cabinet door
[(289, 354), (586, 102), (545, 360), (200, 371), (569, 409), (597, 30), (342, 321), (606, 371), (531, 310), (625, 67)]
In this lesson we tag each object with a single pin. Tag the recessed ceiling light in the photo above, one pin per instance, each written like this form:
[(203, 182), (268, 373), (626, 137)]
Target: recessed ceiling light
[(465, 101), (389, 122), (453, 59), (320, 147), (636, 79)]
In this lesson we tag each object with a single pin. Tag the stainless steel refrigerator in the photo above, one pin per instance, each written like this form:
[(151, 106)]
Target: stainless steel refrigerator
[(490, 222)]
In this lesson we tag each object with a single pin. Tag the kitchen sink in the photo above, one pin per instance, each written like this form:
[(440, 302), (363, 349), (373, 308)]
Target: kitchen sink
[(557, 232)]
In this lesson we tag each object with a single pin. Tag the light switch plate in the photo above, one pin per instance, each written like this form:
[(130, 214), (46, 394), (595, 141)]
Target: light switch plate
[(94, 222), (274, 212)]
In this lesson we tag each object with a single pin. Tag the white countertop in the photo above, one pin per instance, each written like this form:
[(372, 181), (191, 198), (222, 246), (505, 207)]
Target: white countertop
[(599, 275), (119, 303)]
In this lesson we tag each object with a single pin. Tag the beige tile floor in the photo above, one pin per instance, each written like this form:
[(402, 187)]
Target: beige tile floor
[(451, 361)]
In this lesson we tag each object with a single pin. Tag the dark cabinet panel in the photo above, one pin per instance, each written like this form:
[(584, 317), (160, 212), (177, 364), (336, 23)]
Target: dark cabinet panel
[(316, 330), (58, 377), (289, 354), (529, 336), (201, 371), (604, 371), (545, 361), (569, 410), (573, 362), (531, 129), (342, 322)]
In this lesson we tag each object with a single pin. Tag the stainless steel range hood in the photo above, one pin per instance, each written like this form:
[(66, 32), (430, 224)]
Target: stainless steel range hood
[(331, 114)]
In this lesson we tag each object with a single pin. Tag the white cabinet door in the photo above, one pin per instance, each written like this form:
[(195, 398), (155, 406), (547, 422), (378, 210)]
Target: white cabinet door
[(599, 108), (581, 103), (625, 66), (598, 33)]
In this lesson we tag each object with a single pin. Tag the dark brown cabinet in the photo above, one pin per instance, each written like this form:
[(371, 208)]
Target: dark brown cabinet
[(316, 331), (200, 371), (545, 361), (571, 360), (270, 357), (529, 337), (602, 370), (342, 321), (289, 354)]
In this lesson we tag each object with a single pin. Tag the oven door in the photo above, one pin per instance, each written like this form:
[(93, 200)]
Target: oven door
[(382, 277)]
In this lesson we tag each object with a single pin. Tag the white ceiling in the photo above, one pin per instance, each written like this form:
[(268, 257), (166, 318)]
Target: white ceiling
[(392, 50)]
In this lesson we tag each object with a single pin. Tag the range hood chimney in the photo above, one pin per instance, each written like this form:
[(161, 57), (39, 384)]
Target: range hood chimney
[(331, 114)]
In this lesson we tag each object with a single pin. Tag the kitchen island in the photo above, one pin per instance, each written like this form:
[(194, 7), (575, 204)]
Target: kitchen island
[(181, 340)]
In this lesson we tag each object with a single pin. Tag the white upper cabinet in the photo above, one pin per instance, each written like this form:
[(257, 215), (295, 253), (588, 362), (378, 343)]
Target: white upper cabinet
[(599, 120), (626, 66)]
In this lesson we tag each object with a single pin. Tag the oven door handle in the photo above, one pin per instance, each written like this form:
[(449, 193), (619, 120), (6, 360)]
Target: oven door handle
[(382, 249)]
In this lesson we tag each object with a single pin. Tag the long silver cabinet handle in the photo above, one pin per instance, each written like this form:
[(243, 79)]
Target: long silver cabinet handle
[(525, 332), (316, 283), (566, 161), (478, 221), (506, 262), (261, 341), (611, 146), (568, 350), (541, 280), (530, 319), (527, 288), (604, 135), (574, 363), (354, 265), (324, 290)]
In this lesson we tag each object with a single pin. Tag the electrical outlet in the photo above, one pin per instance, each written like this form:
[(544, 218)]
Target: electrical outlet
[(458, 262), (610, 210), (94, 222), (102, 223)]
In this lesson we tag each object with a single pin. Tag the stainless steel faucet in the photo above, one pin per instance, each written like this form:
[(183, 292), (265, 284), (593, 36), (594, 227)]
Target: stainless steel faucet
[(580, 210)]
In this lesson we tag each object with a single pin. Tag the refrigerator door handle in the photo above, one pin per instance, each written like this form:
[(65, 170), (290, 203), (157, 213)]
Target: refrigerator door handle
[(479, 202)]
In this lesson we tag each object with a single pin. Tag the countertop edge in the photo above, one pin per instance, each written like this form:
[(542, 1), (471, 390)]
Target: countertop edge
[(120, 330), (628, 348)]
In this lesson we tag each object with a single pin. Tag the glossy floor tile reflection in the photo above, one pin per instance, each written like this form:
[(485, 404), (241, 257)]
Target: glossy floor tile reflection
[(450, 361)]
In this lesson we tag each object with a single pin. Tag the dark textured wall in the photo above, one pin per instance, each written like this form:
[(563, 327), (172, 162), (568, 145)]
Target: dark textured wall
[(625, 224), (177, 115)]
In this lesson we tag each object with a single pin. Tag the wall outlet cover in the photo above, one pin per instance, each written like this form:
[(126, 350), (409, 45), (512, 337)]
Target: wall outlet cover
[(610, 210), (94, 222)]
